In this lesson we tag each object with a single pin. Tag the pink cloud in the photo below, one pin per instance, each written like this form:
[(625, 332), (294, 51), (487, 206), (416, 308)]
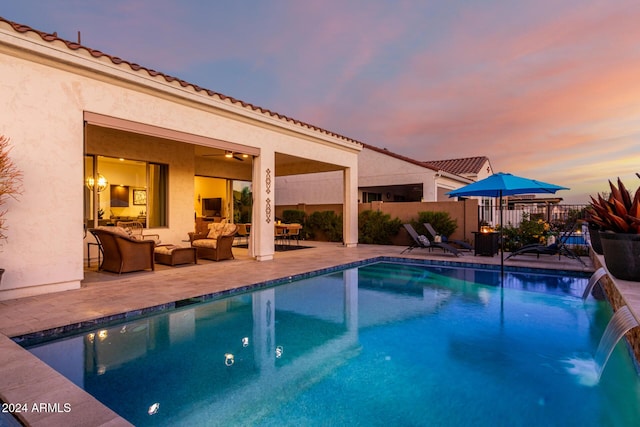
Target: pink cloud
[(563, 86), (541, 87)]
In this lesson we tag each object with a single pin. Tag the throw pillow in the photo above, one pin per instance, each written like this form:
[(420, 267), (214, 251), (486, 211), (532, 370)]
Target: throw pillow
[(422, 239), (215, 230)]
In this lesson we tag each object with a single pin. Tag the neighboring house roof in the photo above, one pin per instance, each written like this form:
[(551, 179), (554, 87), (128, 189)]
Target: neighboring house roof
[(464, 166), (401, 157), (138, 68)]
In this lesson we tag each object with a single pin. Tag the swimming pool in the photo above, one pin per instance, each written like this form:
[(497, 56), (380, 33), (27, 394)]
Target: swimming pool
[(382, 344)]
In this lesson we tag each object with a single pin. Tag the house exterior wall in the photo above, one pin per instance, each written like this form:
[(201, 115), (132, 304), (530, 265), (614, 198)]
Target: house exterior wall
[(379, 169), (45, 94), (443, 183), (484, 172), (43, 249), (375, 169), (318, 188)]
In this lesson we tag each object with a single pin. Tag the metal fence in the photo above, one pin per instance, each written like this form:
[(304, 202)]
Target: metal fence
[(513, 215)]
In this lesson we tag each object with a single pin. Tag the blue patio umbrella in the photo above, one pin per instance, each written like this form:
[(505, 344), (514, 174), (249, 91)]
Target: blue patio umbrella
[(504, 184)]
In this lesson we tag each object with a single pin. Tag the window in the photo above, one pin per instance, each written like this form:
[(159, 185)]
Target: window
[(371, 197), (125, 190)]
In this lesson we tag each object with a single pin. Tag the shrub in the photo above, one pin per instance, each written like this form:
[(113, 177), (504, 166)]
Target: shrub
[(293, 216), (441, 221), (377, 228), (529, 231), (242, 201), (325, 224)]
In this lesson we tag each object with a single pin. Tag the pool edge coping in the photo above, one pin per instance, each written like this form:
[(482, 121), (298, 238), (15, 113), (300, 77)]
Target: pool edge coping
[(36, 337)]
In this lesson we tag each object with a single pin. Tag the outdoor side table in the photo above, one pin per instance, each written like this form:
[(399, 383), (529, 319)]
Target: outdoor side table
[(486, 243)]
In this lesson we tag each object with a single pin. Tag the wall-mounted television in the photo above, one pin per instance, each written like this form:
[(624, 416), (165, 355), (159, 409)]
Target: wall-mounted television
[(212, 206)]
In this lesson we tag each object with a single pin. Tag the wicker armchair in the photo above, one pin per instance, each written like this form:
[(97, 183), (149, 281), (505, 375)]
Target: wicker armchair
[(217, 243), (137, 231), (121, 253)]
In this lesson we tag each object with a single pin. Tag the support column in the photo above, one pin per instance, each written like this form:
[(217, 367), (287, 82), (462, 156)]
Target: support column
[(261, 242), (350, 213)]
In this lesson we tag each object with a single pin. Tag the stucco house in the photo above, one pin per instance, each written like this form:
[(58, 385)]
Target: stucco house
[(100, 139), (382, 176)]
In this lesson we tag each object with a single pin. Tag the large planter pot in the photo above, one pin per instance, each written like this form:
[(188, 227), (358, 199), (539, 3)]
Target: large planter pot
[(622, 254), (594, 236)]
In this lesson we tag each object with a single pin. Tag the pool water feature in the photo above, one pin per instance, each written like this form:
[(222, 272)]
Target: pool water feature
[(382, 344), (621, 323)]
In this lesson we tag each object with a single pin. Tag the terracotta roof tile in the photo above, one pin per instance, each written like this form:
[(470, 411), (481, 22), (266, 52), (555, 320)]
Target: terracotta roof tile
[(20, 28), (468, 165)]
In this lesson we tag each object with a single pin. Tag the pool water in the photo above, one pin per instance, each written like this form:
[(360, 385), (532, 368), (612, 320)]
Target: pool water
[(576, 240), (382, 344)]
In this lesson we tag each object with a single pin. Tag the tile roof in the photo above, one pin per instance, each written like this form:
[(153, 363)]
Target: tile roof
[(468, 165), (20, 28)]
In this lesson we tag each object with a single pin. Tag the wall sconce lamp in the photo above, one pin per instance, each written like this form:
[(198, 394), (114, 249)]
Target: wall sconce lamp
[(101, 185)]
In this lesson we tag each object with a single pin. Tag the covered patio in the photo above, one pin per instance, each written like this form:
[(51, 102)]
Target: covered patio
[(74, 113)]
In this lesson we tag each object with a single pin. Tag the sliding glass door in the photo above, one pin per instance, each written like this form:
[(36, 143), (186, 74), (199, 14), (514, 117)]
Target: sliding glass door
[(118, 189)]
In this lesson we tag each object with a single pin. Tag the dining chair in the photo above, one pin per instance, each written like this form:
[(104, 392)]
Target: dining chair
[(280, 234)]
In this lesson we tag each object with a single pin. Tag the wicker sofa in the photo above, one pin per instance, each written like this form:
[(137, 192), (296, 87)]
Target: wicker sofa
[(122, 253), (217, 243)]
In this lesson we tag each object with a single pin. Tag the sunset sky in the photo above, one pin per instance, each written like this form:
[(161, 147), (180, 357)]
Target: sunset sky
[(546, 89)]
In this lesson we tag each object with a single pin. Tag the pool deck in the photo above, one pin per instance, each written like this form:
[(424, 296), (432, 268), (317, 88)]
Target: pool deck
[(24, 379)]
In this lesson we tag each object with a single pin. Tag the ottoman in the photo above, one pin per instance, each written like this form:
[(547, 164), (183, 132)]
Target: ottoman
[(174, 255)]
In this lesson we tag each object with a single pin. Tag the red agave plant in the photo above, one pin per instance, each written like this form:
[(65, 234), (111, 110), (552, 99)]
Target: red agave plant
[(619, 213)]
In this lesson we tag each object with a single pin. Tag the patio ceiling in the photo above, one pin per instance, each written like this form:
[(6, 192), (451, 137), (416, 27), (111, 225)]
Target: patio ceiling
[(286, 164), (209, 149)]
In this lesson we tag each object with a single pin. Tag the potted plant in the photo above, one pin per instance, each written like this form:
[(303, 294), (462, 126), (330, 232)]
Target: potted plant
[(10, 185), (594, 236), (619, 220)]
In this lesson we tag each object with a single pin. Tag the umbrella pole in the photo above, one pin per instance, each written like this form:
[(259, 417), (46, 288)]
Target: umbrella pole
[(501, 244)]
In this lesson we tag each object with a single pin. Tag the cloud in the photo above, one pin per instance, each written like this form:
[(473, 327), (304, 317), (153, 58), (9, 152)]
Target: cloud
[(543, 88), (531, 98)]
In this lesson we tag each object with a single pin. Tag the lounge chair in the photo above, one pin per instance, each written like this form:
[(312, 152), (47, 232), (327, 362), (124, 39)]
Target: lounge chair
[(445, 239), (420, 241), (558, 248), (121, 253)]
